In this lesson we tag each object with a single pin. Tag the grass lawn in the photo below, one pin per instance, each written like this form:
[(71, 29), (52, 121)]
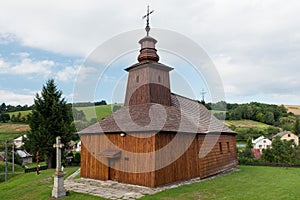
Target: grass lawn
[(31, 186), (32, 165), (251, 182), (17, 170)]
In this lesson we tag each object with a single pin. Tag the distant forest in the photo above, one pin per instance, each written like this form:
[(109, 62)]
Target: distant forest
[(266, 113)]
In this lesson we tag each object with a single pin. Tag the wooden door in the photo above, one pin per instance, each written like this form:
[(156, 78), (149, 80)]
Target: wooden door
[(111, 170)]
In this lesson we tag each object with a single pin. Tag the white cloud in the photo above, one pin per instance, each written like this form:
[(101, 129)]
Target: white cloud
[(67, 74), (12, 98), (27, 66), (6, 38)]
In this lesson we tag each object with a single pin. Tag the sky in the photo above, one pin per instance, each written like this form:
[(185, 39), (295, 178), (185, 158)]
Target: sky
[(254, 46)]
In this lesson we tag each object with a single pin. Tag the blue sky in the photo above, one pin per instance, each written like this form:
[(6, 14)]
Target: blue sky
[(254, 45)]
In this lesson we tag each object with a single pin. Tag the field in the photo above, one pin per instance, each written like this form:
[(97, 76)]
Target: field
[(248, 183), (294, 109), (11, 131), (23, 113), (246, 123), (100, 111)]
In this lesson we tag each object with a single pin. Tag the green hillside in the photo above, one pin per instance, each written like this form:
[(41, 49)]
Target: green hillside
[(100, 111), (250, 129), (23, 113), (11, 131), (244, 128)]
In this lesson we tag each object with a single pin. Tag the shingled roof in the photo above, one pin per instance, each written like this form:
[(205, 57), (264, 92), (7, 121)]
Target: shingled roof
[(184, 115)]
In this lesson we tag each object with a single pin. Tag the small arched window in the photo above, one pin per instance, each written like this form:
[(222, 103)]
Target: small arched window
[(159, 79), (137, 79)]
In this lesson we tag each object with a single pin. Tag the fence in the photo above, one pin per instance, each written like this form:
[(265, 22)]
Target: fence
[(34, 169)]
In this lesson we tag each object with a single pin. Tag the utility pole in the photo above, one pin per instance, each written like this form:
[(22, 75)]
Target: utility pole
[(13, 158), (6, 161)]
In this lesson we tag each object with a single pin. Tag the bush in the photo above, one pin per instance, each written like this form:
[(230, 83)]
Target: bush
[(76, 158)]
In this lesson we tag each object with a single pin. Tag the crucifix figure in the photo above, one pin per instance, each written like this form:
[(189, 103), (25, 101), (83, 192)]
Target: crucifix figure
[(58, 186), (147, 16)]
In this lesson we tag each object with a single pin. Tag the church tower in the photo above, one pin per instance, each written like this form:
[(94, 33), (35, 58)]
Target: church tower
[(148, 80)]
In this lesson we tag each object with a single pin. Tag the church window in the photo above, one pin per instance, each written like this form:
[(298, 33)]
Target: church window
[(137, 79), (228, 147), (159, 79)]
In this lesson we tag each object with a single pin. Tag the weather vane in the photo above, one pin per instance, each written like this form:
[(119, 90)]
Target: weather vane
[(147, 16)]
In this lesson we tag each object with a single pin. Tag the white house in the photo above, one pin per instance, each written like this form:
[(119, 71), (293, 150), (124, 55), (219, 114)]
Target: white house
[(19, 141), (261, 143), (78, 147), (287, 135)]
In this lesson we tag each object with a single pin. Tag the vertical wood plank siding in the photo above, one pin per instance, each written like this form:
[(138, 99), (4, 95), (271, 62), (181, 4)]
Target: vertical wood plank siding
[(148, 85), (187, 166)]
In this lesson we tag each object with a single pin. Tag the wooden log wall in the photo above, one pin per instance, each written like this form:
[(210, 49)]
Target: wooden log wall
[(187, 166), (223, 156), (184, 167), (92, 164)]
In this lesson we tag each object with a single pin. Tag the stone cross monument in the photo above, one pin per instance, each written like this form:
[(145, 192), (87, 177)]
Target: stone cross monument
[(58, 186)]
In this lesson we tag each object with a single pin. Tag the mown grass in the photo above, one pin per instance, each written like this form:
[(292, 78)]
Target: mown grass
[(9, 136), (294, 109), (32, 186), (251, 182), (32, 165), (217, 111), (17, 170), (100, 111), (13, 128), (246, 123), (23, 113)]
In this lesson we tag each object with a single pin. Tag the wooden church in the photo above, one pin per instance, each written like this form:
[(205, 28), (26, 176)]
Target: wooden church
[(158, 137)]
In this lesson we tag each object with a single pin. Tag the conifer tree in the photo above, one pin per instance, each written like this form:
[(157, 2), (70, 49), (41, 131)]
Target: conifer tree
[(51, 117)]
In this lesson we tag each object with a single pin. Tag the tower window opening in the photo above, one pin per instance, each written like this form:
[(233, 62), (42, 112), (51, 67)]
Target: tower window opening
[(137, 79), (159, 79)]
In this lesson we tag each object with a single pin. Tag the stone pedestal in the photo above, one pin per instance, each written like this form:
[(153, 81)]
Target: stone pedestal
[(58, 186)]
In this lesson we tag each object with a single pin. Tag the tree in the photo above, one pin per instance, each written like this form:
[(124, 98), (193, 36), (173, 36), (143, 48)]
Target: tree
[(4, 117), (51, 117), (297, 127), (3, 108)]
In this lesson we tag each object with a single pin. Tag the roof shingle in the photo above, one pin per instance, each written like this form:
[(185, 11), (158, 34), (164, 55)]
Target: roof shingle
[(184, 115)]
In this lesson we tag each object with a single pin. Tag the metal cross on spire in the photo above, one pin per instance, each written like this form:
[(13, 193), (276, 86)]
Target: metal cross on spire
[(147, 16)]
